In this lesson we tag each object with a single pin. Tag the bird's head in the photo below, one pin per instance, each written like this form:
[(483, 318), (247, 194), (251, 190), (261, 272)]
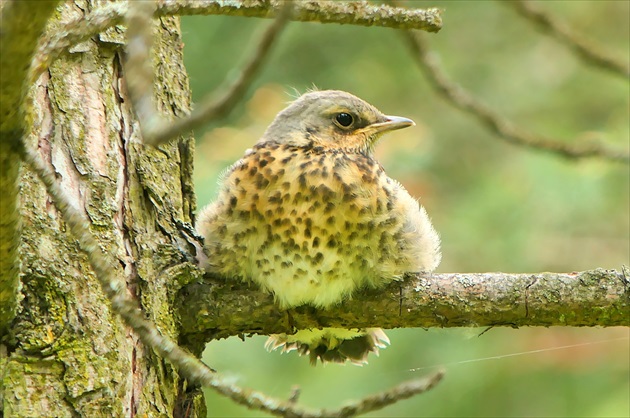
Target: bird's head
[(332, 119)]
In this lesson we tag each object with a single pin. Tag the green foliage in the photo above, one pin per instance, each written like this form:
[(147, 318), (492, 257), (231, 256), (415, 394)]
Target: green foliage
[(496, 206)]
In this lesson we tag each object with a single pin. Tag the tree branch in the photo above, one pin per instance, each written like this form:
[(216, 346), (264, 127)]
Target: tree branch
[(590, 298), (388, 397), (504, 128), (353, 13), (589, 52), (155, 129), (359, 13)]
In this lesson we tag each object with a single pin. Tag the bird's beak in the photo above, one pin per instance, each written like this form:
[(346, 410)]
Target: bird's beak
[(391, 124)]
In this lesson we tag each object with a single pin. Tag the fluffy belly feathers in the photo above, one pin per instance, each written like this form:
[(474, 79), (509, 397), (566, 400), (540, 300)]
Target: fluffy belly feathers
[(313, 226)]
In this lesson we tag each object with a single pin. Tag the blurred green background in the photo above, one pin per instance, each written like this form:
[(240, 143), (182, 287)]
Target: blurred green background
[(498, 207)]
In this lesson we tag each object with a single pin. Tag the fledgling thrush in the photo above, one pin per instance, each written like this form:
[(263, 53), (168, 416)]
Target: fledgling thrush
[(309, 215)]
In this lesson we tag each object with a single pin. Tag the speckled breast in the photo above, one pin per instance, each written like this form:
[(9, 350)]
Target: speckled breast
[(309, 224)]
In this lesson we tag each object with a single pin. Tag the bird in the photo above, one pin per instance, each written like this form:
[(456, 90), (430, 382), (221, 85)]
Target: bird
[(309, 215)]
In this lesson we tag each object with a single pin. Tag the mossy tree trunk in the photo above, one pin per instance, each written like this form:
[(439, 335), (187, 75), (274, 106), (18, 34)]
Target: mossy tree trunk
[(66, 353)]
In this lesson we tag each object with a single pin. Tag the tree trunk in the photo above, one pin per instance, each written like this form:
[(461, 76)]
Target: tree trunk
[(66, 353)]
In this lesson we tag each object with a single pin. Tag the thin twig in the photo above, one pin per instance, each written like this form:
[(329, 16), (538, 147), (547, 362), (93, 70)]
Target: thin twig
[(589, 52), (220, 104), (189, 366), (139, 70), (504, 128), (352, 13), (156, 130), (295, 394), (380, 400), (73, 33)]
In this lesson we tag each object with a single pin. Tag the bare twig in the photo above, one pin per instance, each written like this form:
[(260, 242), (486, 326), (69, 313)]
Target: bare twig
[(389, 397), (354, 13), (155, 129), (74, 32), (189, 366), (591, 54), (504, 128), (139, 70), (589, 298), (295, 394), (220, 104)]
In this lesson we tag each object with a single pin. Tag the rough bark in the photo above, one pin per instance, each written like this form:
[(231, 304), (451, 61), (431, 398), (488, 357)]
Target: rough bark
[(21, 26), (66, 353), (218, 308)]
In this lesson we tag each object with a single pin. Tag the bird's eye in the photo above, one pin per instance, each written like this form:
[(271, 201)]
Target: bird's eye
[(344, 119)]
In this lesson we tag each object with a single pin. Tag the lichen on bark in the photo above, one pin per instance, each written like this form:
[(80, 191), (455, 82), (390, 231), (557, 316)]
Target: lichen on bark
[(590, 298), (83, 127)]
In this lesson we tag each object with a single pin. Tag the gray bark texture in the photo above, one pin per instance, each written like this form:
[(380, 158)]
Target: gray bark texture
[(219, 308), (66, 354)]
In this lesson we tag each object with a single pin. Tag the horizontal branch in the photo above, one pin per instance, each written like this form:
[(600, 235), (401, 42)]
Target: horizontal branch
[(218, 308), (351, 13), (359, 13)]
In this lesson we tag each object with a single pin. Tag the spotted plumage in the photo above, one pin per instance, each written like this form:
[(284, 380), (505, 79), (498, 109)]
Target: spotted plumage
[(309, 215)]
